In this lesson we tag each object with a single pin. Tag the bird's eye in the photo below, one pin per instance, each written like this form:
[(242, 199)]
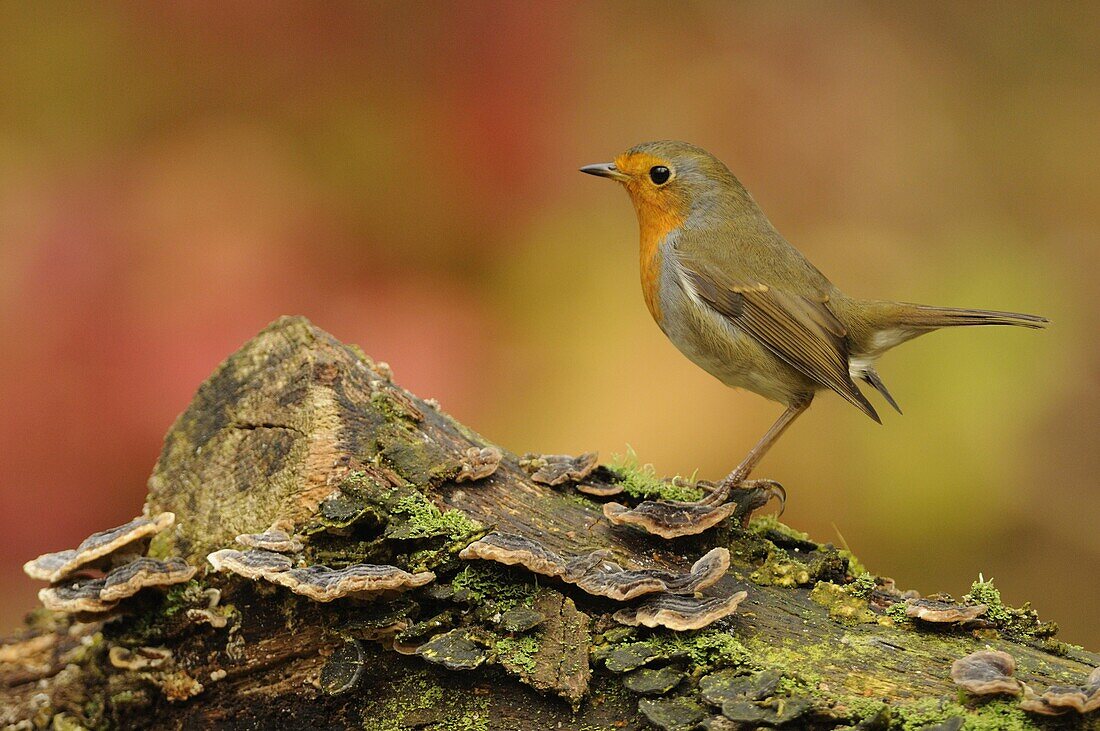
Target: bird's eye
[(659, 174)]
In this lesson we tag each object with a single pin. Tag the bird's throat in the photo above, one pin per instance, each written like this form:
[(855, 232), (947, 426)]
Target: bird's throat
[(655, 225)]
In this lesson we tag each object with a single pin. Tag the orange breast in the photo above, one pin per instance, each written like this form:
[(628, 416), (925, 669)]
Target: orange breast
[(650, 261), (655, 225)]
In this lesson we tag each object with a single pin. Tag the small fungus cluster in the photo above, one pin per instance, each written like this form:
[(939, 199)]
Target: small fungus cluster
[(558, 469), (479, 463), (118, 556), (672, 602), (990, 672), (720, 689)]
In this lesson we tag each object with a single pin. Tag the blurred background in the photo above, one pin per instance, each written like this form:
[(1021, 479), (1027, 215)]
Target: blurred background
[(175, 176)]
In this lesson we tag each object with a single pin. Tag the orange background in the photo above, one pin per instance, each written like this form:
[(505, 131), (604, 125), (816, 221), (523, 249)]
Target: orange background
[(175, 176)]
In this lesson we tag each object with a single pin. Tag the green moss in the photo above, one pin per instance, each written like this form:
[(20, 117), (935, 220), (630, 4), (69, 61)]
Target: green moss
[(996, 715), (410, 694), (897, 613), (763, 524), (863, 585), (422, 519), (183, 596), (641, 481), (413, 693), (705, 650), (926, 712), (999, 715), (492, 583), (983, 592), (843, 605), (715, 649), (422, 463), (860, 708), (781, 570), (855, 566), (1062, 649), (519, 652), (794, 685), (1022, 623), (792, 658)]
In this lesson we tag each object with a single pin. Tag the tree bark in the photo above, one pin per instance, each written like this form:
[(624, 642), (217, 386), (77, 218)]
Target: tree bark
[(296, 420)]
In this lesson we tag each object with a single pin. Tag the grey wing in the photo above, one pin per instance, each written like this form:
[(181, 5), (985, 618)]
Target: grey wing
[(799, 330)]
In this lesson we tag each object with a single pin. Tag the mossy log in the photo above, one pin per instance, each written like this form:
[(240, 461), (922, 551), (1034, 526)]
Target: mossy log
[(297, 427)]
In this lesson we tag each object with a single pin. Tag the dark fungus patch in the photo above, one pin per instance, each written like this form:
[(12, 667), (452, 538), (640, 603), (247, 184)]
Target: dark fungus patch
[(344, 668)]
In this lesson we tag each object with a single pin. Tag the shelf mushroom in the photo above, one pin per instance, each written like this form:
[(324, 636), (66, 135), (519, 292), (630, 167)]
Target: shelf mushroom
[(594, 572), (940, 612), (988, 672), (119, 551), (105, 548), (319, 582), (680, 613), (671, 520)]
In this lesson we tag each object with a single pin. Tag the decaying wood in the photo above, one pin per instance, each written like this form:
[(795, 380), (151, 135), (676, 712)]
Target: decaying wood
[(295, 420)]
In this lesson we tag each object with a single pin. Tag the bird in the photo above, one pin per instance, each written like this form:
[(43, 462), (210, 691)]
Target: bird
[(746, 306)]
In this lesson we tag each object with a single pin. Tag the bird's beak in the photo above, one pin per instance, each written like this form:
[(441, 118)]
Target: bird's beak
[(605, 170)]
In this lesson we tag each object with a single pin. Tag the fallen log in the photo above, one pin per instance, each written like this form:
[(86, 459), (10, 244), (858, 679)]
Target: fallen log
[(384, 567)]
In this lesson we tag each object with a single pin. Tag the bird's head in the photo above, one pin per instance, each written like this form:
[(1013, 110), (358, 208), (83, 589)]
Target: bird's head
[(667, 180)]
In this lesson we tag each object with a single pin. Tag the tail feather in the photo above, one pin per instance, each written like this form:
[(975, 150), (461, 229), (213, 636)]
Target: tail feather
[(870, 375), (891, 323), (923, 317)]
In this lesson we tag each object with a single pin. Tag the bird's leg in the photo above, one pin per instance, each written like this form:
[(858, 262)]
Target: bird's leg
[(671, 520), (742, 471)]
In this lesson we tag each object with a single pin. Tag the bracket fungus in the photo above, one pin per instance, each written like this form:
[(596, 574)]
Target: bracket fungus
[(775, 711), (79, 597), (363, 580), (144, 572), (558, 469), (935, 611), (680, 613), (477, 464), (98, 550), (606, 490), (319, 582), (96, 596), (594, 572), (119, 551), (672, 520), (1059, 699), (254, 563), (988, 672), (276, 538)]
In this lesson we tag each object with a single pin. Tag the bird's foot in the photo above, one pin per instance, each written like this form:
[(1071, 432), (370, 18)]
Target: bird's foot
[(674, 519)]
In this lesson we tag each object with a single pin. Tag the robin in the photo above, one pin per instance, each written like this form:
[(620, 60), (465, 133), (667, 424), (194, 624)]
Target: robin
[(743, 304)]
